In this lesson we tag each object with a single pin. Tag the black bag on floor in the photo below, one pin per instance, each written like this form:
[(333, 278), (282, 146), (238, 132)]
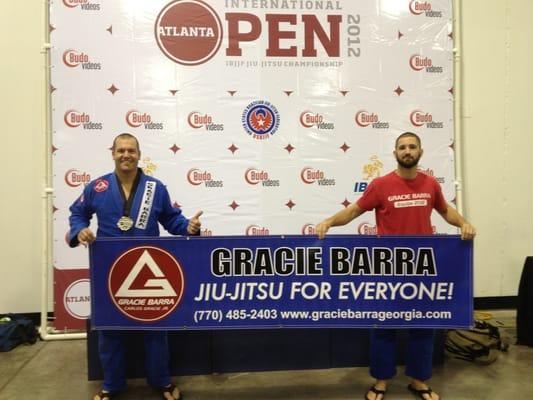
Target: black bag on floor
[(481, 344), (16, 330)]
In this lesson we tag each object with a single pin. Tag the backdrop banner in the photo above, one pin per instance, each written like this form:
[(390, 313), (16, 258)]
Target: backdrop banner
[(281, 282), (267, 115)]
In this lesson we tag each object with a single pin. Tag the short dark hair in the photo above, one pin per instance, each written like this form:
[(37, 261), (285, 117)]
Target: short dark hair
[(125, 136), (408, 134)]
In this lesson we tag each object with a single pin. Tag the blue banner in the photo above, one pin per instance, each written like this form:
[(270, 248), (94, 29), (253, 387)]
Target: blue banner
[(281, 282)]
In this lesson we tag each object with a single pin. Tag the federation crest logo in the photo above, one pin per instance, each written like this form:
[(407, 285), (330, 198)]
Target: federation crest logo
[(260, 119), (146, 283)]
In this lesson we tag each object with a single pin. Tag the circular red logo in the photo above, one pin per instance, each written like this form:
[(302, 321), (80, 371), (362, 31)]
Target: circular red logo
[(101, 185), (188, 32), (146, 283)]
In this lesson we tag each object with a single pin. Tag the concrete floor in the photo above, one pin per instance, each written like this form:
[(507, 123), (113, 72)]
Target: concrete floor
[(58, 370)]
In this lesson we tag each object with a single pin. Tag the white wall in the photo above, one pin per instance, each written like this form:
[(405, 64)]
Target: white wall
[(498, 138), (22, 148), (497, 87)]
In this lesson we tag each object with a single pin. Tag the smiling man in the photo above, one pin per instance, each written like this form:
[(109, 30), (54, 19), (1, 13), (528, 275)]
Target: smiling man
[(403, 201), (129, 203)]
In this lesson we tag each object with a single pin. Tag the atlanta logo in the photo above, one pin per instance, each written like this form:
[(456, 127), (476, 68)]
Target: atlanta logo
[(260, 119)]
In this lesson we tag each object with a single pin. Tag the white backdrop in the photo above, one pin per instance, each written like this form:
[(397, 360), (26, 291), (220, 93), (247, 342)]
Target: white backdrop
[(167, 72)]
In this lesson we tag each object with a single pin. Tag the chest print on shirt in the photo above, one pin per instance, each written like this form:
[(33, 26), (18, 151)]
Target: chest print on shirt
[(409, 200)]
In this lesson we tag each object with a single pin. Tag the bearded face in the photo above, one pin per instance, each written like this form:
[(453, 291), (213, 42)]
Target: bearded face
[(408, 160), (408, 152)]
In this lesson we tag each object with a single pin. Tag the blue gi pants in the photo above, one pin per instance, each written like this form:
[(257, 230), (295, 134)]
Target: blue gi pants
[(111, 350), (418, 358)]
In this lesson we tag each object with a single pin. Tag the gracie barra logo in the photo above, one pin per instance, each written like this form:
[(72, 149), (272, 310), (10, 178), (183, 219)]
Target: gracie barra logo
[(146, 283), (101, 185), (189, 32)]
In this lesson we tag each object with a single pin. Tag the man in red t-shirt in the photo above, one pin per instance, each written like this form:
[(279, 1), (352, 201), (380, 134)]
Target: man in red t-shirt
[(403, 201)]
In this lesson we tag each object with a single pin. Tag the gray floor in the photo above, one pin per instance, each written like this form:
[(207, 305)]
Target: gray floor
[(57, 370)]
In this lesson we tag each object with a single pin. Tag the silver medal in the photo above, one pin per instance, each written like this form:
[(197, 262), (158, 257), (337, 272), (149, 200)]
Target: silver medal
[(125, 223)]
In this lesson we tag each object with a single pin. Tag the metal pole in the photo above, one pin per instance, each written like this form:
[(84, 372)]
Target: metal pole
[(458, 105), (47, 241)]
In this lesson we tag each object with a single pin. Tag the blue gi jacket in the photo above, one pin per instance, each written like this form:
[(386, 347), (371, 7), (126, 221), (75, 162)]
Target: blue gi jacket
[(151, 204)]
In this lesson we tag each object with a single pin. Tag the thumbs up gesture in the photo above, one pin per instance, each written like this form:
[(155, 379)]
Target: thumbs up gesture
[(194, 223)]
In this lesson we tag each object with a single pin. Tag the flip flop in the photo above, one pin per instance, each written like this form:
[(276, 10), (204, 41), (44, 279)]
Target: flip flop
[(377, 392), (101, 395), (173, 391), (421, 392)]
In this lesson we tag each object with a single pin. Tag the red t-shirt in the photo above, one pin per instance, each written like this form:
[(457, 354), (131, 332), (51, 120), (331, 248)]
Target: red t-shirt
[(403, 206)]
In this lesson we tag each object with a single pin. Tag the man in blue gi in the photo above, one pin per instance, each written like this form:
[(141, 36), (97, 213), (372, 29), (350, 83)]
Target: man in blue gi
[(129, 203)]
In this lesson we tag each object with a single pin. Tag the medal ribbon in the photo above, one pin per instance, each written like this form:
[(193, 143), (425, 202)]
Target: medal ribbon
[(129, 201)]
